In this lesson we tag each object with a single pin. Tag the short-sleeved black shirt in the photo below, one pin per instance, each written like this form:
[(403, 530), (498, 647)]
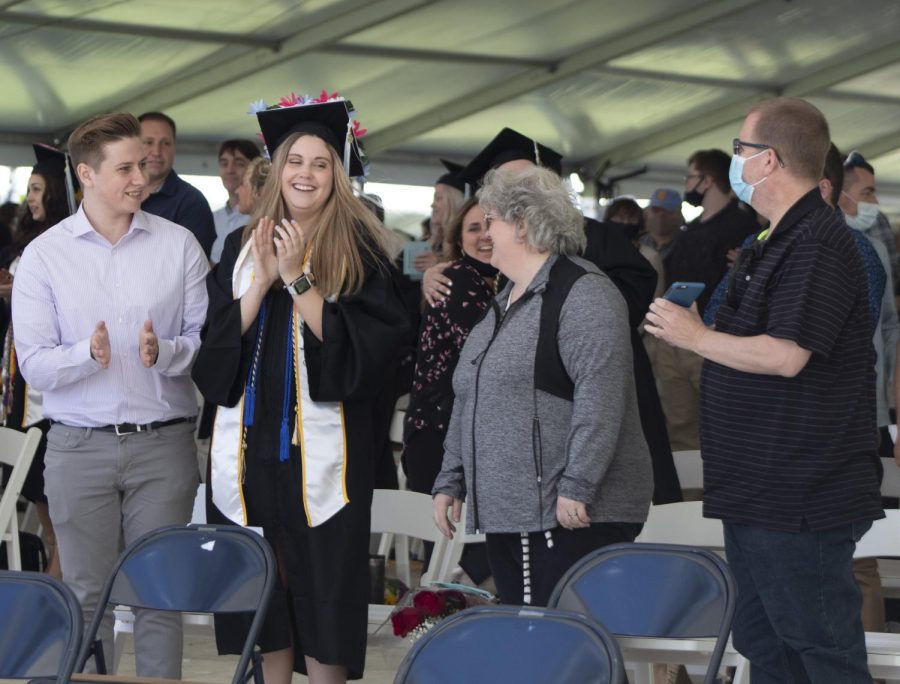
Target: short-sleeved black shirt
[(780, 452), (700, 253)]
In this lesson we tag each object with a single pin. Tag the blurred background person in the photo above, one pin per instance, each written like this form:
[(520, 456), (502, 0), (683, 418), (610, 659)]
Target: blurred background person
[(662, 221), (250, 189), (47, 202), (449, 195), (444, 330), (234, 158), (167, 194)]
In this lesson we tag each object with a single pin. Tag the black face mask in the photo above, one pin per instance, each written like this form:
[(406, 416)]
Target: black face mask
[(694, 198), (629, 230)]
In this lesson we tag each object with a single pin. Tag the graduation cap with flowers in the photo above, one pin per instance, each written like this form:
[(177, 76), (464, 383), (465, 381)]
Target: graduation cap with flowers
[(328, 116), (53, 163)]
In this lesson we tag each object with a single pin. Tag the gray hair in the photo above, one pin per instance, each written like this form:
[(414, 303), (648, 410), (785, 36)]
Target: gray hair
[(537, 198)]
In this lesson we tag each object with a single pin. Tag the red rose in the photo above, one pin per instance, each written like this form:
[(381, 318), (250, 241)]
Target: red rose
[(430, 603), (405, 621), (454, 600)]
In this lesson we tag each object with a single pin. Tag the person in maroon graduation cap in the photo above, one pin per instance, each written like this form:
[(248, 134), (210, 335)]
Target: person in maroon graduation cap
[(302, 334)]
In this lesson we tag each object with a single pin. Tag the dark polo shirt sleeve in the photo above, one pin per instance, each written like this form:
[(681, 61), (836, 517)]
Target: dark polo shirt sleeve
[(811, 299), (795, 453)]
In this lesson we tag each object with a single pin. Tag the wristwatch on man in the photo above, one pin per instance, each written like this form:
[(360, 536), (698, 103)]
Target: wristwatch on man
[(301, 284)]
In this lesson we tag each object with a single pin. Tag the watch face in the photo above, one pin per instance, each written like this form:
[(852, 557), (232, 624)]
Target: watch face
[(299, 286)]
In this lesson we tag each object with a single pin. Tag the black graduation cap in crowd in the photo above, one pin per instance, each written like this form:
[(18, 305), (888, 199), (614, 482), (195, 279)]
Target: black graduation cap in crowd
[(452, 177), (330, 121), (507, 146), (51, 162)]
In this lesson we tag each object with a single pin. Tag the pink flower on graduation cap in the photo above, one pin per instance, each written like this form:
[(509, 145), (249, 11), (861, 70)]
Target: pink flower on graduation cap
[(358, 130), (291, 101), (324, 97)]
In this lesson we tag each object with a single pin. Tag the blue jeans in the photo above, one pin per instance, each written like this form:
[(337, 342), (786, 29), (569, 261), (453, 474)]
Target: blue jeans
[(798, 605)]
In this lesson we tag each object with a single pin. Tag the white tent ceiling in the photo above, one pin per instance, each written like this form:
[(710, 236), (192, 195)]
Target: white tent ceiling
[(613, 84)]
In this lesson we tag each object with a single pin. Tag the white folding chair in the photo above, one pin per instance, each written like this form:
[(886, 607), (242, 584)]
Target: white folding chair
[(396, 437), (689, 466), (682, 523), (389, 541), (409, 514), (890, 483), (17, 449), (456, 546)]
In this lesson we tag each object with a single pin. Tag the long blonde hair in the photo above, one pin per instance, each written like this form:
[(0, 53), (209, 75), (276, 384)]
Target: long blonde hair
[(347, 230)]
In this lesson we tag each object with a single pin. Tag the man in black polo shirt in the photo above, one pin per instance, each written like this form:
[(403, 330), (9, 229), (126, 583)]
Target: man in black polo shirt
[(788, 408)]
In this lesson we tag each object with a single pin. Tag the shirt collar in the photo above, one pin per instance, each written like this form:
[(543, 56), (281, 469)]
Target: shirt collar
[(810, 202), (82, 226), (538, 283), (168, 187)]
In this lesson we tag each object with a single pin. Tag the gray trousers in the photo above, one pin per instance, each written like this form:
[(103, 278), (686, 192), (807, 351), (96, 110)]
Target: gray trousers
[(105, 490)]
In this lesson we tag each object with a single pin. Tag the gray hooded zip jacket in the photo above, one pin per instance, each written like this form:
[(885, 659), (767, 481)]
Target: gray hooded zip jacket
[(511, 450)]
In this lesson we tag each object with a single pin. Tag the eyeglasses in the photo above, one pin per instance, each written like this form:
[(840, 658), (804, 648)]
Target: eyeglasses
[(738, 145), (693, 175)]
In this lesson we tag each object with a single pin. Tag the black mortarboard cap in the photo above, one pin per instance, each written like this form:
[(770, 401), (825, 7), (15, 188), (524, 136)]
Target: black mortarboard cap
[(330, 121), (51, 162), (452, 177), (509, 145)]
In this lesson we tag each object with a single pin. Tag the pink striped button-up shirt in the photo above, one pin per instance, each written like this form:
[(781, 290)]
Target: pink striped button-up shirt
[(69, 279)]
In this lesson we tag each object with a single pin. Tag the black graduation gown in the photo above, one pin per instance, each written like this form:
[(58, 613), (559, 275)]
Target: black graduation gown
[(614, 254), (327, 565)]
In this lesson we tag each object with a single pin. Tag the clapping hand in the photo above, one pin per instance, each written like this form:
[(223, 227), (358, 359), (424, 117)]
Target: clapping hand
[(290, 247), (148, 345), (265, 263), (100, 345)]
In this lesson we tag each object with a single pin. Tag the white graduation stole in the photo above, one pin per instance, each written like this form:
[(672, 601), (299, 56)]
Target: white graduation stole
[(319, 431)]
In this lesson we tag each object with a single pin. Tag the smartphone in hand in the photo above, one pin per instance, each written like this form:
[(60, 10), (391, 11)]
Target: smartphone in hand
[(684, 294)]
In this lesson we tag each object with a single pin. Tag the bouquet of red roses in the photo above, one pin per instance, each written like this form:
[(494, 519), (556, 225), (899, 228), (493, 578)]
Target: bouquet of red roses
[(422, 609)]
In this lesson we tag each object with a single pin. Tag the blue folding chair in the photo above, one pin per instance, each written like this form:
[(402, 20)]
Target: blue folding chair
[(40, 627), (193, 569), (662, 591), (513, 644)]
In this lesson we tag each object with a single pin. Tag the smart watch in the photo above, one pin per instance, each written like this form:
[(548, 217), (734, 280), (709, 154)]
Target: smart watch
[(301, 284)]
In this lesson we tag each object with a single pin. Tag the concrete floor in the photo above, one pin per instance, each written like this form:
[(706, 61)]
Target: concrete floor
[(203, 664)]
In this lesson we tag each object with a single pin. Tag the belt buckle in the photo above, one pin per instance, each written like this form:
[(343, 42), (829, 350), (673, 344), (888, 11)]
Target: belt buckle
[(122, 432)]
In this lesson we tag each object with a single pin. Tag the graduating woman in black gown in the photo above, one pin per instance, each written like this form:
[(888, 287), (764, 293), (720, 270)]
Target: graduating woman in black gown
[(303, 330)]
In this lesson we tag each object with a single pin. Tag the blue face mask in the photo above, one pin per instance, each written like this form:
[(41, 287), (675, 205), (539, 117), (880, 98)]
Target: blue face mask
[(742, 189)]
